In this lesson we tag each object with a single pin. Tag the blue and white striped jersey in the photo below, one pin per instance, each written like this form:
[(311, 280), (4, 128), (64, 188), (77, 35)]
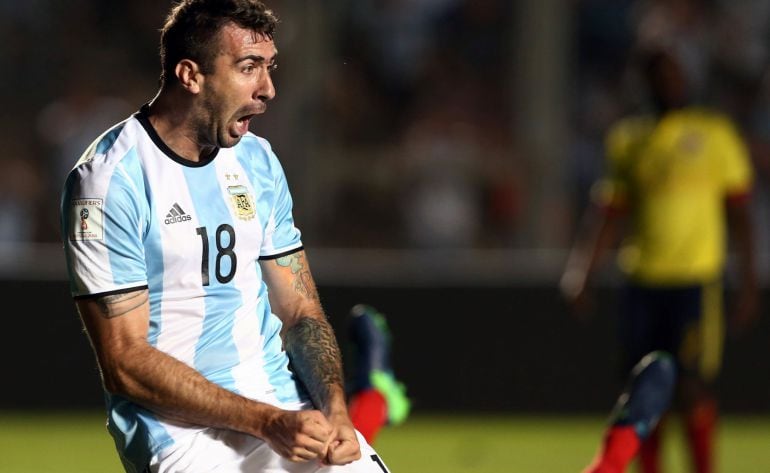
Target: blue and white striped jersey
[(134, 214)]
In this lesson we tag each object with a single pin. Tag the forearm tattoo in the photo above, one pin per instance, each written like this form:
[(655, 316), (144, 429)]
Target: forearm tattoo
[(303, 281), (116, 305), (315, 357)]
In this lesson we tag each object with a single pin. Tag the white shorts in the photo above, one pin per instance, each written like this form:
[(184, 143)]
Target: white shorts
[(228, 451)]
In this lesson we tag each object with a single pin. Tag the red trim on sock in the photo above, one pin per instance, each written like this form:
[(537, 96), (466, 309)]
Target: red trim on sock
[(649, 452), (700, 425), (369, 412)]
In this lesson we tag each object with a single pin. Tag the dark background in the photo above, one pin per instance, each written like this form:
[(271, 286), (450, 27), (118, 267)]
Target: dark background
[(477, 349)]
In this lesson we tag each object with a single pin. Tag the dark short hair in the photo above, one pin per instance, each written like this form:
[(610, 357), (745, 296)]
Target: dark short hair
[(191, 28)]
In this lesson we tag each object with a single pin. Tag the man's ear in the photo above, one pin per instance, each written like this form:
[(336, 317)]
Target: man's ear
[(189, 74)]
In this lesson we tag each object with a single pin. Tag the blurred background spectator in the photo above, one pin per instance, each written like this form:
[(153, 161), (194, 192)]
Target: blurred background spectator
[(461, 124)]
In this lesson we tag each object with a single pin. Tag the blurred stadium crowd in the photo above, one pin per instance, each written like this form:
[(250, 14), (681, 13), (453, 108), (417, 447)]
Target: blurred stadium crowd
[(399, 122)]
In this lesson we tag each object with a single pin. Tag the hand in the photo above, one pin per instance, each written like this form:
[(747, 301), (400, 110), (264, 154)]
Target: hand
[(572, 287), (344, 447), (299, 436)]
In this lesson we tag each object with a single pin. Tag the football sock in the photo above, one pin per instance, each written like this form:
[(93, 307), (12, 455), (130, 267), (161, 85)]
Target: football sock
[(619, 446), (368, 412), (649, 453), (700, 424), (636, 413)]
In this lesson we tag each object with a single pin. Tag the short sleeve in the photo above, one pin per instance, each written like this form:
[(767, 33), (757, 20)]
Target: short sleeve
[(102, 229), (737, 171), (281, 234)]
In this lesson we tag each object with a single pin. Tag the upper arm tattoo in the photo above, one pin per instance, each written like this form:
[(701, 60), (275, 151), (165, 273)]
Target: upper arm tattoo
[(303, 282), (115, 305)]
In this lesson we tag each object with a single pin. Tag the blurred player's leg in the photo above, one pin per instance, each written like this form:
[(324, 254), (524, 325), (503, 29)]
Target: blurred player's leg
[(369, 412), (636, 412), (700, 365), (700, 424), (376, 397), (649, 453)]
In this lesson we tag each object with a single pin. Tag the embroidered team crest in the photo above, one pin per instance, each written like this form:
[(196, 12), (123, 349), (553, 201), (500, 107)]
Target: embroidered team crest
[(242, 202)]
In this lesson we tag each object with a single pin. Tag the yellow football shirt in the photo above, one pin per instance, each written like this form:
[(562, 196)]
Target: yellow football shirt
[(673, 176)]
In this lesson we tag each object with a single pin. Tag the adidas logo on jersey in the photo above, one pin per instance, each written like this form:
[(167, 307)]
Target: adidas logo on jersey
[(176, 214)]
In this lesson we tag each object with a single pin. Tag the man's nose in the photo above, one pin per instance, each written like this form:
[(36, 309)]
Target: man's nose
[(266, 89)]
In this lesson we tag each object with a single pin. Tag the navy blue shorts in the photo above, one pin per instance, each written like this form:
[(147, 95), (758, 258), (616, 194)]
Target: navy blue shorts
[(686, 321)]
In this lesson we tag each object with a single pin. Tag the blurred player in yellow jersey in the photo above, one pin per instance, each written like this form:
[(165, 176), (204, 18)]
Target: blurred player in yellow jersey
[(681, 178)]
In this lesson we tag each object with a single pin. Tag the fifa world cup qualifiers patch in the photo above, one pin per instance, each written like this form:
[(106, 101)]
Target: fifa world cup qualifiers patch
[(86, 219)]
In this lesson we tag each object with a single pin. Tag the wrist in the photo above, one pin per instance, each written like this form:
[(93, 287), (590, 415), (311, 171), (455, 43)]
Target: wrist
[(258, 419), (336, 404)]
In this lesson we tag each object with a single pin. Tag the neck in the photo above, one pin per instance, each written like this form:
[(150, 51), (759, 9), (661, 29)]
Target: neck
[(172, 117)]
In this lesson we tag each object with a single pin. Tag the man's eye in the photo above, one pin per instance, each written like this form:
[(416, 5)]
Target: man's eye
[(248, 68), (272, 67)]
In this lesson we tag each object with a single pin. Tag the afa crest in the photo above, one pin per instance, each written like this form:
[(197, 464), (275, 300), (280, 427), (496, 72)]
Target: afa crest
[(242, 202)]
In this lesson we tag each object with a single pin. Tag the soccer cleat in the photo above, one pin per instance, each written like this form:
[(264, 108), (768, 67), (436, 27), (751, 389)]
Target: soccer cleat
[(370, 334)]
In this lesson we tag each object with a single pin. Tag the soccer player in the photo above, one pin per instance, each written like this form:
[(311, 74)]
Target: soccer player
[(377, 398), (189, 273), (636, 413), (681, 177)]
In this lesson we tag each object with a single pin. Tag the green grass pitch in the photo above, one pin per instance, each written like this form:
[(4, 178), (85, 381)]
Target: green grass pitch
[(79, 443)]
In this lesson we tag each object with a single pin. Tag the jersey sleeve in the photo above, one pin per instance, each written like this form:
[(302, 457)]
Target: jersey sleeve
[(102, 230), (281, 235), (737, 171)]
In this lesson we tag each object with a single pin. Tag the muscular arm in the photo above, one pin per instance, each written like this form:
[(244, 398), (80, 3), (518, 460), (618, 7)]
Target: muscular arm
[(311, 345), (308, 337), (117, 326)]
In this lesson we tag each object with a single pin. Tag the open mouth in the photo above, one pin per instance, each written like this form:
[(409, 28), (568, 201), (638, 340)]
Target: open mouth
[(242, 124), (245, 119)]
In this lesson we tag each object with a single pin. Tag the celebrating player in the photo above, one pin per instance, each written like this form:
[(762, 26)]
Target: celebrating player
[(190, 276)]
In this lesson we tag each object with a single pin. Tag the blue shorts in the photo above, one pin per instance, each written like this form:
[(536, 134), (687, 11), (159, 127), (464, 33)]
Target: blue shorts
[(686, 321)]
